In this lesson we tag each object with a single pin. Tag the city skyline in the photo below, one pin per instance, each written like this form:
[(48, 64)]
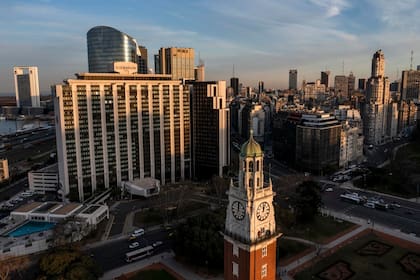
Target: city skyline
[(263, 40)]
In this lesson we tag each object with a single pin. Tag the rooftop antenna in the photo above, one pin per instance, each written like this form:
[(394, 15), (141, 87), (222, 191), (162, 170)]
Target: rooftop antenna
[(343, 68), (233, 71), (411, 60)]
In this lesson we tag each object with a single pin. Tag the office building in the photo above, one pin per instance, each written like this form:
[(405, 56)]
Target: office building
[(312, 90), (341, 87), (362, 84), (351, 82), (260, 87), (250, 234), (293, 78), (107, 45), (113, 127), (177, 62), (142, 62), (410, 85), (318, 142), (26, 86), (234, 84), (325, 77), (210, 129), (377, 101), (199, 73)]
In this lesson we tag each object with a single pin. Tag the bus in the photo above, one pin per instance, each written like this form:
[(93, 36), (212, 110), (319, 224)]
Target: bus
[(138, 254), (352, 198)]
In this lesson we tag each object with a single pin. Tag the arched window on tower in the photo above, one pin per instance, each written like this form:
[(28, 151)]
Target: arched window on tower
[(258, 166), (251, 166), (258, 182), (250, 183)]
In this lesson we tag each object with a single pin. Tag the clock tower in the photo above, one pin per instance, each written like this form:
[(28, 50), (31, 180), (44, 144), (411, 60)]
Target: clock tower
[(250, 234)]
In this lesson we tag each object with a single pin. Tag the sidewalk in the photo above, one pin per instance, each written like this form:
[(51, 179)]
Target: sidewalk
[(165, 258), (320, 249)]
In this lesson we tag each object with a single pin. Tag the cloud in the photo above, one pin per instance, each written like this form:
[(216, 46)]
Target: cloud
[(332, 7)]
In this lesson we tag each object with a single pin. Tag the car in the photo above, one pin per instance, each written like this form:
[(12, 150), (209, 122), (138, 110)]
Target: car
[(329, 189), (369, 205), (157, 244), (134, 245), (132, 237), (396, 205), (138, 232)]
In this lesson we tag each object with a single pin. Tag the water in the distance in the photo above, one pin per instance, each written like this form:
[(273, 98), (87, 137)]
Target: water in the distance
[(11, 126)]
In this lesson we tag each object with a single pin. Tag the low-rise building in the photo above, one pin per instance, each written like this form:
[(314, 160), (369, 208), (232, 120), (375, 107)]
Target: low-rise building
[(4, 170), (146, 187)]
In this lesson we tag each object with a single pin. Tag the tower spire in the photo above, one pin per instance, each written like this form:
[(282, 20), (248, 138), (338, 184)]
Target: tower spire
[(233, 71), (411, 60)]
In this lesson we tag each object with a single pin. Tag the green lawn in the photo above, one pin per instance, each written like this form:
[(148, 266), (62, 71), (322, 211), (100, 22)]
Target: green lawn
[(319, 230), (385, 267), (288, 248), (153, 275)]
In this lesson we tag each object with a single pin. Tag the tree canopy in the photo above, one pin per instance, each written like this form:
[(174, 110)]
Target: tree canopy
[(307, 201)]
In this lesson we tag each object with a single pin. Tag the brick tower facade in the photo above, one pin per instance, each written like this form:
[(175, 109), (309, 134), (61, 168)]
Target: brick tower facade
[(250, 234)]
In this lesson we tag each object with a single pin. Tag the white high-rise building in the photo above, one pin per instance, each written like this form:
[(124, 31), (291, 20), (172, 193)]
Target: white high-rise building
[(119, 127), (377, 102), (26, 86)]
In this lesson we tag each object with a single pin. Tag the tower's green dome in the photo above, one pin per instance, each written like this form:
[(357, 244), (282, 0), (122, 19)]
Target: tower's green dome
[(251, 148)]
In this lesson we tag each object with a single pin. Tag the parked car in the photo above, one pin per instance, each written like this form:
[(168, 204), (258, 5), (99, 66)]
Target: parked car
[(157, 244), (134, 245), (329, 189), (138, 232)]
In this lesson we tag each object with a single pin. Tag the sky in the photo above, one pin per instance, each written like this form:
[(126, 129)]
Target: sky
[(262, 38)]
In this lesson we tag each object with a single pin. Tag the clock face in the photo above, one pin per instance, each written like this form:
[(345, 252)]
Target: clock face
[(263, 211), (238, 210)]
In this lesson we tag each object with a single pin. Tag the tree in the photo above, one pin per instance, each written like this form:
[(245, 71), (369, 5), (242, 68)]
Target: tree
[(307, 200), (198, 240), (11, 265), (68, 263)]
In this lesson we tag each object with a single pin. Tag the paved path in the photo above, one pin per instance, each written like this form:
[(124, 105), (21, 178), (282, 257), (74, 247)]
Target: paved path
[(320, 249), (164, 258)]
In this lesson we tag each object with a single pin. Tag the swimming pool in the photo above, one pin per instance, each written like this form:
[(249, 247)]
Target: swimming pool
[(31, 227)]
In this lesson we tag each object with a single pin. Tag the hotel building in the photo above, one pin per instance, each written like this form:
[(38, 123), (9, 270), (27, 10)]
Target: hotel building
[(114, 127)]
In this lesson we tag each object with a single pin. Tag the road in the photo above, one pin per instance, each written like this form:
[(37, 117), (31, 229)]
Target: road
[(379, 154), (112, 254), (405, 218)]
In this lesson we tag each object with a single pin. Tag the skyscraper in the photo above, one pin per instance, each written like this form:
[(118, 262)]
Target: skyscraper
[(199, 72), (142, 60), (351, 80), (362, 84), (26, 86), (325, 78), (293, 79), (341, 87), (234, 84), (114, 127), (177, 62), (410, 85), (260, 87), (107, 45), (377, 101), (210, 129)]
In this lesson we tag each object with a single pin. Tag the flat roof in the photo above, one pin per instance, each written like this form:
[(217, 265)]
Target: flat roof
[(28, 207), (67, 208), (47, 207), (90, 209)]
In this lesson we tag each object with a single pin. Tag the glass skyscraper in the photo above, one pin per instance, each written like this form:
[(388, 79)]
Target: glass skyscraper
[(107, 45)]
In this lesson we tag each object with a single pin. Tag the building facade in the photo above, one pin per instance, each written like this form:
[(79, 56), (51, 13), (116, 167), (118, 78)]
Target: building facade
[(234, 84), (107, 45), (177, 62), (143, 61), (293, 79), (312, 90), (325, 78), (26, 86), (377, 102), (200, 73), (113, 127), (341, 87), (318, 142), (410, 85), (250, 235), (4, 169), (210, 129)]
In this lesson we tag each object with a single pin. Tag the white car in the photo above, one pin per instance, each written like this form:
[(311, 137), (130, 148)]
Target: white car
[(134, 245), (329, 190), (157, 243)]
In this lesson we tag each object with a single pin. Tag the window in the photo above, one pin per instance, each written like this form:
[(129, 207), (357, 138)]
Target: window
[(250, 166), (258, 165), (235, 269), (264, 251), (235, 250), (264, 271)]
